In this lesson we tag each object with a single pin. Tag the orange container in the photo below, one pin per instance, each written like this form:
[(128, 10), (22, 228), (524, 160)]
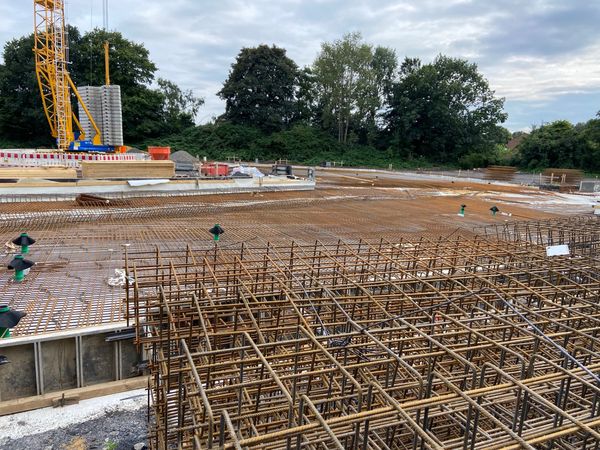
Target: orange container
[(214, 170), (159, 153)]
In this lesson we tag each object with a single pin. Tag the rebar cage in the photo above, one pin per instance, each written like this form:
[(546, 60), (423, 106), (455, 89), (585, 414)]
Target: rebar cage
[(430, 343)]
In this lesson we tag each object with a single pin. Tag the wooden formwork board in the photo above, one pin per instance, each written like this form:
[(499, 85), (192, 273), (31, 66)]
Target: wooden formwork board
[(49, 172), (127, 169)]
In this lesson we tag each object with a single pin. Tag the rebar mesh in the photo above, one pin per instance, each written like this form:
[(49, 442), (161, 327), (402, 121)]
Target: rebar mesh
[(447, 343), (580, 233)]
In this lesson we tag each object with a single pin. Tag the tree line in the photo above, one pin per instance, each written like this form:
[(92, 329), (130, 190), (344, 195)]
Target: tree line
[(361, 96), (562, 144), (355, 102)]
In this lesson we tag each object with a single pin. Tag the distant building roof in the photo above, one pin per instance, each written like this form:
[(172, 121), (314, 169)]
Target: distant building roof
[(514, 142)]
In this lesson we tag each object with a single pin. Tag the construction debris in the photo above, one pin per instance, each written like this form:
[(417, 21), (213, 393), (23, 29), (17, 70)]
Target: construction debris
[(247, 170), (95, 200), (63, 400), (120, 279), (91, 200), (184, 161)]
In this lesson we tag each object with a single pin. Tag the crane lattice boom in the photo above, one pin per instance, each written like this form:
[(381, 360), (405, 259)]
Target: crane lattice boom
[(51, 63)]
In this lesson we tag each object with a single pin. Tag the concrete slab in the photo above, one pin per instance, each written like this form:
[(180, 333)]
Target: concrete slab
[(69, 190)]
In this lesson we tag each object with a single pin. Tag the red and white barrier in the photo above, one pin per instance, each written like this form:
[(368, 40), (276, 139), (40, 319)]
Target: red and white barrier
[(35, 158)]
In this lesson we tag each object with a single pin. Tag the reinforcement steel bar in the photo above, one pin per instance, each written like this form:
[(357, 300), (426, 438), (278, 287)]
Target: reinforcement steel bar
[(580, 233), (430, 343)]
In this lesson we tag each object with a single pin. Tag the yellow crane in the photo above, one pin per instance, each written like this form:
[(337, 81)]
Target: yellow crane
[(56, 86)]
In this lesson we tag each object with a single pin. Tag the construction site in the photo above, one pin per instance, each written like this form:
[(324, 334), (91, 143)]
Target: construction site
[(344, 317), (276, 306)]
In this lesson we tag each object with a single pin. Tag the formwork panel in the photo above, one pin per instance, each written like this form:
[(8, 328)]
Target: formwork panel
[(17, 379), (98, 359), (59, 363), (130, 359)]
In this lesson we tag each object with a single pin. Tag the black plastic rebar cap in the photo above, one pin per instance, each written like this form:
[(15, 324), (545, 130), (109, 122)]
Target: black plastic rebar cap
[(19, 263), (24, 239), (216, 230), (10, 318)]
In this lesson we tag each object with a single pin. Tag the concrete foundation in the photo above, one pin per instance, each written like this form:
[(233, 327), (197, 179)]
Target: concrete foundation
[(49, 190)]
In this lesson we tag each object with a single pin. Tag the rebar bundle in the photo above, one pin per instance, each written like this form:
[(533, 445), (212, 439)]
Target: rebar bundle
[(460, 343)]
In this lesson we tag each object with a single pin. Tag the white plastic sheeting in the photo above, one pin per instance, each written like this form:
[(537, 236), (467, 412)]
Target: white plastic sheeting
[(248, 170)]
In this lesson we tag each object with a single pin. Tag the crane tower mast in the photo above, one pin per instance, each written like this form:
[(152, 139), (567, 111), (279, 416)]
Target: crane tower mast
[(51, 66)]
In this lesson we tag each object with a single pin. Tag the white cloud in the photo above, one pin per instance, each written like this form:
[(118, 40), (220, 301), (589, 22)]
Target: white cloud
[(544, 78), (533, 51)]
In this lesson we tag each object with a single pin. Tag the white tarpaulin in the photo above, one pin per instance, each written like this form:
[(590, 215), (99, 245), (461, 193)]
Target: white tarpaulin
[(248, 171), (138, 183), (557, 250)]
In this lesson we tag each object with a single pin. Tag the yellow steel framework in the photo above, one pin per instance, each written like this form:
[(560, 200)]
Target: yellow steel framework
[(54, 81)]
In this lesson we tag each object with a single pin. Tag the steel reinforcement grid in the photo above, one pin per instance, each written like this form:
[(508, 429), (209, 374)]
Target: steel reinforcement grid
[(580, 233), (430, 344)]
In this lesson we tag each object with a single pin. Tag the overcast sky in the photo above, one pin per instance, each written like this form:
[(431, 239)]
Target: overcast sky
[(542, 55)]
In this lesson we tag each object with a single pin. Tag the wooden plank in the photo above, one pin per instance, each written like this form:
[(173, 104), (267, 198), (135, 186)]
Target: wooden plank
[(47, 400), (47, 172), (564, 176), (127, 169)]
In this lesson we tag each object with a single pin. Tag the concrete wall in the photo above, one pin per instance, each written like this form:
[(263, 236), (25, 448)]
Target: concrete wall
[(66, 360), (126, 189)]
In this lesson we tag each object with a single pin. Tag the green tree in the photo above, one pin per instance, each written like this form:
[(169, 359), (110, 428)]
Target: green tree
[(261, 89), (299, 143), (558, 144), (444, 111), (307, 109), (591, 138), (22, 118), (351, 79), (180, 107)]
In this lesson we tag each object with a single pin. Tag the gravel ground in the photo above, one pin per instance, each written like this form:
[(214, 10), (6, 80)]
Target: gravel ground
[(114, 422), (116, 430)]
